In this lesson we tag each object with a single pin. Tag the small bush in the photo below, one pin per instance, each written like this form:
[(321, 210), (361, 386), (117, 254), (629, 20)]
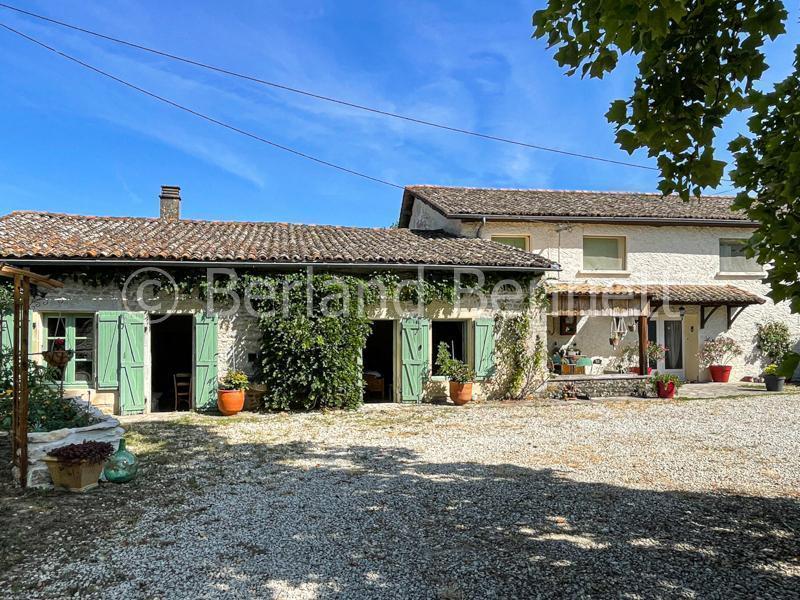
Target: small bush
[(452, 368), (771, 369), (665, 379), (93, 452), (774, 340), (234, 380), (718, 351)]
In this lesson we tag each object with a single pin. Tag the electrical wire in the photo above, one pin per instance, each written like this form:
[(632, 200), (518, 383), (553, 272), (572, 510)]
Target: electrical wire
[(325, 98), (199, 114)]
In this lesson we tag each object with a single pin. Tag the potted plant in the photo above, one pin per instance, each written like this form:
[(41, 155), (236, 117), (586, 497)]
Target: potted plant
[(77, 467), (230, 395), (460, 375), (715, 355), (666, 384), (655, 352), (772, 379)]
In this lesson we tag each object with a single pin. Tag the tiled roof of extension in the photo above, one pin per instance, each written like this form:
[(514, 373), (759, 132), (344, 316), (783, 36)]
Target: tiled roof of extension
[(461, 202), (676, 294), (58, 236)]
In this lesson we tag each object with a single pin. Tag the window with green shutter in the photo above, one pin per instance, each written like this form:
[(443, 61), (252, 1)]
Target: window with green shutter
[(518, 241), (77, 333)]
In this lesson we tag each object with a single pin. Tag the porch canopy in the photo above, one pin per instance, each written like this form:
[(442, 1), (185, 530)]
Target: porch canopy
[(641, 300)]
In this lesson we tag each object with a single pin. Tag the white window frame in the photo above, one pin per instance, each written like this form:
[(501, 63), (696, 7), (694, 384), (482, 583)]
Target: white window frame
[(524, 236), (622, 244), (757, 270)]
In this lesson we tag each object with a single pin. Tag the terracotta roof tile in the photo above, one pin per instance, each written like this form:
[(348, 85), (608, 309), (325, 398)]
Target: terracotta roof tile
[(49, 235), (675, 294), (461, 201)]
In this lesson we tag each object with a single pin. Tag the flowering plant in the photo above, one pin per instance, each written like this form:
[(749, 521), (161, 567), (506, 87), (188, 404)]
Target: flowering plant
[(656, 352), (718, 351)]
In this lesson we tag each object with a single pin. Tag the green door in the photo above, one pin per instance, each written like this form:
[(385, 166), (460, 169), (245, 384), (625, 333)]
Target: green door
[(131, 363), (484, 348), (205, 361), (415, 358)]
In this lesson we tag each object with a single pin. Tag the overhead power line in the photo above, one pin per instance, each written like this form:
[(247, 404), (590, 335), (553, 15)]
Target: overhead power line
[(199, 114), (325, 98)]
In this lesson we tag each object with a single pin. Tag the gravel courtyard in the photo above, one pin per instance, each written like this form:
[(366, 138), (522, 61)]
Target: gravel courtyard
[(634, 499)]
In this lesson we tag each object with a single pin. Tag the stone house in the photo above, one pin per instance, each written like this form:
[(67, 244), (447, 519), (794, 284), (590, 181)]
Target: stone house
[(130, 358), (623, 256)]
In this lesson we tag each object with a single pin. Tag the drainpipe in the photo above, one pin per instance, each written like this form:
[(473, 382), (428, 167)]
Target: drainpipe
[(480, 229)]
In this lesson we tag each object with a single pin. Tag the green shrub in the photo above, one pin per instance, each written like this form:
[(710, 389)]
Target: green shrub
[(47, 411), (452, 368), (234, 380), (771, 369), (665, 379), (774, 340)]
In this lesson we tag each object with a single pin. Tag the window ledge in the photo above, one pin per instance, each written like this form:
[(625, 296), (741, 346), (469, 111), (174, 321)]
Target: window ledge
[(740, 275), (603, 273)]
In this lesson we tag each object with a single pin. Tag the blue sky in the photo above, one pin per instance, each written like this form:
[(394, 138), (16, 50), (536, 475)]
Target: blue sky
[(71, 141)]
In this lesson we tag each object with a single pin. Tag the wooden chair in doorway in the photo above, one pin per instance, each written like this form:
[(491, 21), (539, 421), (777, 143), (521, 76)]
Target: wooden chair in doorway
[(183, 390)]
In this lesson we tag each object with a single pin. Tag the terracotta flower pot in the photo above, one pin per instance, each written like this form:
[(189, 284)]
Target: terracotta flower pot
[(460, 393), (75, 476), (720, 373), (230, 402), (665, 390), (635, 370)]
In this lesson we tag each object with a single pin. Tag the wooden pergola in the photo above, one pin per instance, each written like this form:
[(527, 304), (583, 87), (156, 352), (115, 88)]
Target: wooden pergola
[(23, 279)]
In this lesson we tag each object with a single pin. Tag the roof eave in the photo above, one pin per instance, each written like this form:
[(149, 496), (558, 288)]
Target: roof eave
[(618, 220), (273, 264)]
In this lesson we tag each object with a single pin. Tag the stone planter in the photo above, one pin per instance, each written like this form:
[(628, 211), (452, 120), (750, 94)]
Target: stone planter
[(40, 443)]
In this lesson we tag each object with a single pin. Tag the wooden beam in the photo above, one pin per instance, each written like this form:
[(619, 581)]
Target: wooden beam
[(34, 278), (704, 317), (733, 313), (16, 377), (22, 425), (643, 343)]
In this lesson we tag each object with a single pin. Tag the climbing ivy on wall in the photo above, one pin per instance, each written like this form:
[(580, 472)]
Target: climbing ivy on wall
[(523, 366), (313, 327)]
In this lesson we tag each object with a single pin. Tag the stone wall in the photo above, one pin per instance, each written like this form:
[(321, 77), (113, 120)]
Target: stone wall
[(601, 386)]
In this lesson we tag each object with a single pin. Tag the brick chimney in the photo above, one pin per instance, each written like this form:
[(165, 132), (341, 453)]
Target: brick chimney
[(170, 202)]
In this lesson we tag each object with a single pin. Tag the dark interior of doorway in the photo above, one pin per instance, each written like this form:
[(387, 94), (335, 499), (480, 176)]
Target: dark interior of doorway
[(379, 362), (171, 352), (451, 333)]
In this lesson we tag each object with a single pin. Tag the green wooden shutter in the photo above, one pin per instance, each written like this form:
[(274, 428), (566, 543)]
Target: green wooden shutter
[(205, 361), (414, 346), (7, 335), (107, 365), (131, 363), (484, 348)]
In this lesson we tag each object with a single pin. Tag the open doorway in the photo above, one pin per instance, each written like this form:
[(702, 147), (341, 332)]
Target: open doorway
[(379, 363), (171, 360)]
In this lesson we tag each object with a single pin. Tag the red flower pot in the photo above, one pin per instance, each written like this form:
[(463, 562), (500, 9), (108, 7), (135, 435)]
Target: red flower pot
[(635, 370), (720, 373), (460, 393), (230, 402), (665, 390)]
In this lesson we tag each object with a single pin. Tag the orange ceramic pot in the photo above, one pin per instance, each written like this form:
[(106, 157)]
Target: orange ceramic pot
[(230, 402), (460, 393)]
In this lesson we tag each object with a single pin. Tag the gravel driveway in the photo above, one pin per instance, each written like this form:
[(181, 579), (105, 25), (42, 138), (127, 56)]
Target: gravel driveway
[(632, 499)]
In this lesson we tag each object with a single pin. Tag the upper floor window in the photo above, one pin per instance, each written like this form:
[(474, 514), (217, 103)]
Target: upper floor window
[(603, 253), (518, 241), (732, 258), (75, 332)]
